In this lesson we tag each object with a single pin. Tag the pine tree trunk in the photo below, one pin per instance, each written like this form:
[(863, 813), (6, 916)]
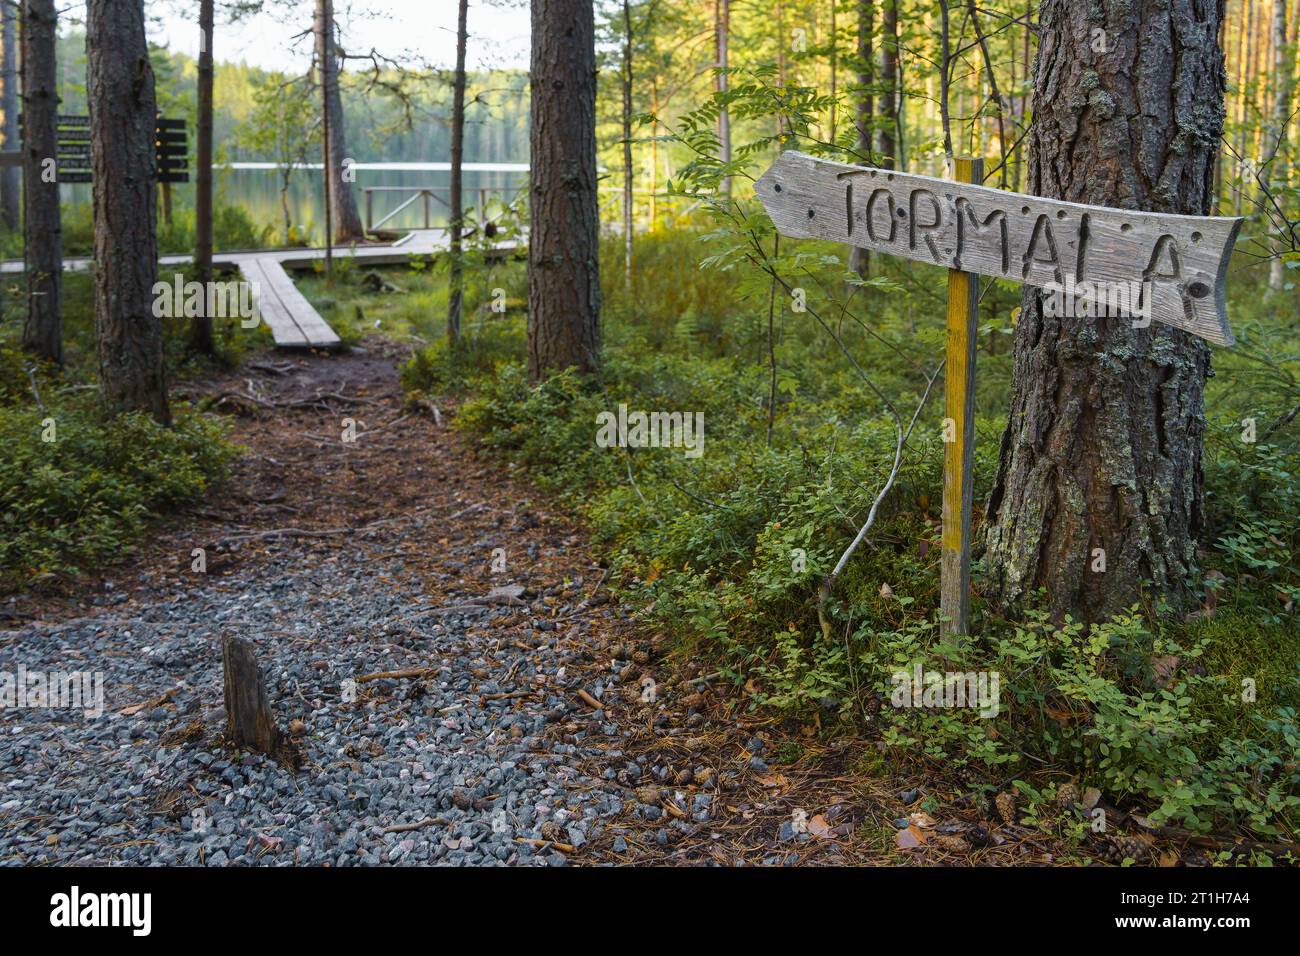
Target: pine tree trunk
[(1103, 445), (343, 204), (1277, 171), (889, 81), (564, 225), (42, 222), (627, 145), (9, 189), (201, 325), (860, 259), (456, 294), (120, 90)]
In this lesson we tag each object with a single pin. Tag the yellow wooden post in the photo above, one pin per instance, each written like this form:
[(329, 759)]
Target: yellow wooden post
[(959, 434)]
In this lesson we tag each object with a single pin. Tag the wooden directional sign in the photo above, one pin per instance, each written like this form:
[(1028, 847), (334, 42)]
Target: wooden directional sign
[(73, 149), (1095, 253), (1093, 260), (173, 153)]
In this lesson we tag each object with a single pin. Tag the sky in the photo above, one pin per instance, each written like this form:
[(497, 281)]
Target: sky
[(424, 28)]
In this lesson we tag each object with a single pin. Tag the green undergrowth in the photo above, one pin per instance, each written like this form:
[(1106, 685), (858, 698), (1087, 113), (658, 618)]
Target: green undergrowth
[(1192, 720), (77, 489)]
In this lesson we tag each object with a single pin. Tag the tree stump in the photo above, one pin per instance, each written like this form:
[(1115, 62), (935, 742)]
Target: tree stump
[(249, 721)]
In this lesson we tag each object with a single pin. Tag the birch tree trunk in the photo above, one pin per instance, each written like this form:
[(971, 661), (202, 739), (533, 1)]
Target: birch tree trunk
[(120, 90), (343, 204), (42, 222), (564, 222), (1100, 464)]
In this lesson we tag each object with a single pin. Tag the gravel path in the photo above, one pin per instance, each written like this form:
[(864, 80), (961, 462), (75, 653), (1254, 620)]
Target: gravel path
[(141, 789), (472, 762)]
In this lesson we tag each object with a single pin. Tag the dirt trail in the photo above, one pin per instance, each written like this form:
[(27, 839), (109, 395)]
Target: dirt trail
[(405, 551)]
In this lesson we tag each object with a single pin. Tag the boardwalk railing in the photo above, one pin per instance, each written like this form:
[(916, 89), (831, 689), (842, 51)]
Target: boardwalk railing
[(426, 193), (648, 204)]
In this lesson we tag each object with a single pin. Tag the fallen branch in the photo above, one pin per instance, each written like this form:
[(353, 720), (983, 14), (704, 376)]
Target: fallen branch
[(309, 533), (1232, 844), (397, 675), (548, 844), (420, 825)]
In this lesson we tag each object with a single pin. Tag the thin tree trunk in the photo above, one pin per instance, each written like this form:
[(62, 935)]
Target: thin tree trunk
[(456, 294), (1243, 78), (1218, 159), (654, 159), (1026, 78), (201, 324), (9, 189), (889, 81), (627, 145), (564, 227), (120, 90), (42, 223), (860, 259), (1277, 171), (721, 32), (343, 204), (835, 70), (1103, 444)]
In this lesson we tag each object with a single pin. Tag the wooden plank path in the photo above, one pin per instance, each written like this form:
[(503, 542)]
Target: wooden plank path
[(292, 320)]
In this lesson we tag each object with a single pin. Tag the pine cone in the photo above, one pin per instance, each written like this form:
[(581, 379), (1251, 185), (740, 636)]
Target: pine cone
[(550, 830), (952, 843), (1122, 847), (1067, 797), (1006, 804)]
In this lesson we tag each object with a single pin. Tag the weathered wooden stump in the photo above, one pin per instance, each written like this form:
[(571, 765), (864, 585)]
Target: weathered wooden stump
[(249, 721)]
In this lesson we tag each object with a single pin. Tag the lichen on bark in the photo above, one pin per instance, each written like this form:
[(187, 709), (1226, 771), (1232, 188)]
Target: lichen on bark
[(1104, 436)]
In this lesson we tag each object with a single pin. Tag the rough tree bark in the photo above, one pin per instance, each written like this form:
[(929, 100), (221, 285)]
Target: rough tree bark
[(9, 196), (201, 325), (860, 259), (889, 83), (564, 221), (1103, 445), (456, 295), (343, 204), (120, 90), (42, 223)]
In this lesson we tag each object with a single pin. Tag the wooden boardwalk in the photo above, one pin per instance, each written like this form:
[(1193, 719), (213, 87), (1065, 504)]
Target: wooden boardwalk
[(293, 321)]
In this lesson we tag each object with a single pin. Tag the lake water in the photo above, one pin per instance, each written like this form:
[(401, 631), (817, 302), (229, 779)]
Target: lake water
[(256, 187)]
